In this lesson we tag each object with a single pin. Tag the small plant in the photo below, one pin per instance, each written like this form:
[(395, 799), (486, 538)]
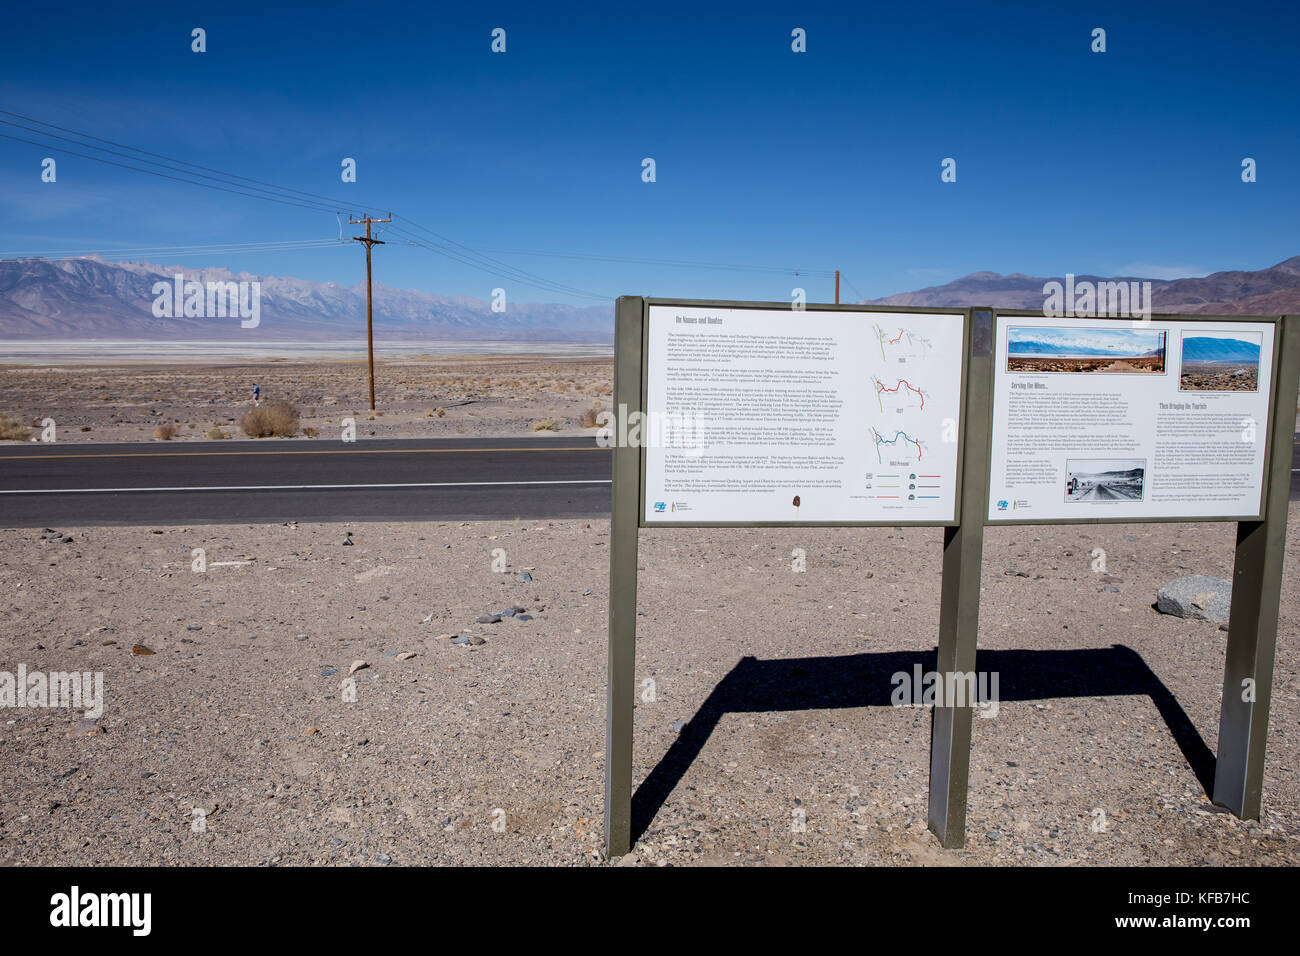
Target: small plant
[(215, 433), (85, 428), (440, 412), (274, 419), (590, 415), (166, 431), (12, 429), (310, 432), (546, 425)]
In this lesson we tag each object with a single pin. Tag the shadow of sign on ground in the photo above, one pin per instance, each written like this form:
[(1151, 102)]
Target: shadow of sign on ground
[(864, 680)]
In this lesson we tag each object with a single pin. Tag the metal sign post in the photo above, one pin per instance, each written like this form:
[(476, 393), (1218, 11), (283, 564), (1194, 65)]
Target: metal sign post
[(624, 525), (1256, 595), (959, 599)]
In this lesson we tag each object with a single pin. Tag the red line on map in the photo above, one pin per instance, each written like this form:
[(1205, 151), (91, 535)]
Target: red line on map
[(880, 387)]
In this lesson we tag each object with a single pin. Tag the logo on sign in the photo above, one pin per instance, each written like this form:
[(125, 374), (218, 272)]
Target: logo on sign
[(1002, 505), (660, 505)]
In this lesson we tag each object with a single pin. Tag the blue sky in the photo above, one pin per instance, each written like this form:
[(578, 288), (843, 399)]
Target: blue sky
[(1126, 162)]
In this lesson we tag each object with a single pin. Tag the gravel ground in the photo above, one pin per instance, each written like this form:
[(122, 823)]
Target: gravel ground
[(493, 753), (477, 396)]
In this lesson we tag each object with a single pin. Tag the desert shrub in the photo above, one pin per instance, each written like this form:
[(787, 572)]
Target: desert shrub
[(276, 419), (310, 432), (546, 425), (215, 433), (590, 415), (85, 428), (440, 412), (166, 431), (12, 429)]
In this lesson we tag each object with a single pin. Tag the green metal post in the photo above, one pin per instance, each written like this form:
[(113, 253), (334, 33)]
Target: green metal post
[(959, 601), (625, 522), (1256, 594)]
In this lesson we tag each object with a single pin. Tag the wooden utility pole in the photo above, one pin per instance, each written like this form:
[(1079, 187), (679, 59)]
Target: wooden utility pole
[(370, 320), (837, 286)]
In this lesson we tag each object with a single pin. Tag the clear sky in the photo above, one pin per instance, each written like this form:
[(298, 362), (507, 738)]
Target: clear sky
[(1123, 162)]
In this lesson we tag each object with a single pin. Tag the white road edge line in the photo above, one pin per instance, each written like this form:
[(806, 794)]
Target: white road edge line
[(413, 484)]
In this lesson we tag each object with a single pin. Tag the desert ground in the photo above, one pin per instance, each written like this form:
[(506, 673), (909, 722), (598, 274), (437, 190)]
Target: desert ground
[(415, 397), (1216, 377), (1147, 364), (767, 733)]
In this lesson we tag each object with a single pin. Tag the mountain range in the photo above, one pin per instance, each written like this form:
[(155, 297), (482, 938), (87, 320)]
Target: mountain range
[(1030, 346), (1219, 350), (1271, 291), (90, 298)]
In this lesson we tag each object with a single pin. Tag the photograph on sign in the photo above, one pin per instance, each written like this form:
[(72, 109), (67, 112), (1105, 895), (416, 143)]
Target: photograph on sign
[(801, 416), (1107, 418)]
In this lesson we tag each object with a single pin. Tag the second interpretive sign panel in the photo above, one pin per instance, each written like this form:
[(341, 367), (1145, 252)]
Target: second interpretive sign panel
[(816, 416), (1119, 420)]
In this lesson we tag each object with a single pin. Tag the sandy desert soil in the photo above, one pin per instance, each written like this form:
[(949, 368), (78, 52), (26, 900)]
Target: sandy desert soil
[(479, 396), (782, 680), (1219, 378), (1028, 364)]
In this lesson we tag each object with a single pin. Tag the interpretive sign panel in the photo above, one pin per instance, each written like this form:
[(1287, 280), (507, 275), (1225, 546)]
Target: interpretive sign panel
[(1123, 420), (784, 416)]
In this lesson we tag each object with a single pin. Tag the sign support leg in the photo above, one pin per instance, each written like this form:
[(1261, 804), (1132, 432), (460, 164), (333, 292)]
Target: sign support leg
[(620, 686), (959, 602), (1256, 593)]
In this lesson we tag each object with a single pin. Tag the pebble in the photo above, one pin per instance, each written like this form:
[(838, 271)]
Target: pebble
[(357, 666), (85, 728), (405, 655), (525, 577), (140, 650), (329, 672), (488, 619)]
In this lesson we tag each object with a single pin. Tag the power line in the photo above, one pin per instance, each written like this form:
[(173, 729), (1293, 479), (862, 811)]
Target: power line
[(644, 260), (260, 189), (151, 172), (492, 266), (284, 245), (332, 202)]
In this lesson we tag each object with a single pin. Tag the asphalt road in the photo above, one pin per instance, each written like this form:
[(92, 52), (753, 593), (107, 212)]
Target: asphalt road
[(275, 481)]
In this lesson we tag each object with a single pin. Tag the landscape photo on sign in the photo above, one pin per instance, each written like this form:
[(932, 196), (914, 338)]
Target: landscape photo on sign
[(1104, 480), (1064, 349), (1220, 361)]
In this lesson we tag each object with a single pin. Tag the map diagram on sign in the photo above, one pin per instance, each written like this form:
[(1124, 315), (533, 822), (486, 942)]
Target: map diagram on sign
[(900, 344)]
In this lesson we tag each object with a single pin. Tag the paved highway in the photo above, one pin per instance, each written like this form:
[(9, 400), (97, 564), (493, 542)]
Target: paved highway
[(274, 481)]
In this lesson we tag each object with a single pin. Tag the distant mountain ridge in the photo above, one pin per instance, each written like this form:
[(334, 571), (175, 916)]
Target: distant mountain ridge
[(1221, 351), (1271, 291), (90, 298), (1030, 346)]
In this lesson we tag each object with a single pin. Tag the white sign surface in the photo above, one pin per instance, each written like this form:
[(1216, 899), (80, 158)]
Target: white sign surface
[(1097, 418), (778, 415)]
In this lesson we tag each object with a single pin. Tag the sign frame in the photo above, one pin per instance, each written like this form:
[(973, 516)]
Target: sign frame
[(1256, 583)]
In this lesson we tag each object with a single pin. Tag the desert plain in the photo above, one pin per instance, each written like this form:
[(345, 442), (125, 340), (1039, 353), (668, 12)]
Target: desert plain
[(325, 694)]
